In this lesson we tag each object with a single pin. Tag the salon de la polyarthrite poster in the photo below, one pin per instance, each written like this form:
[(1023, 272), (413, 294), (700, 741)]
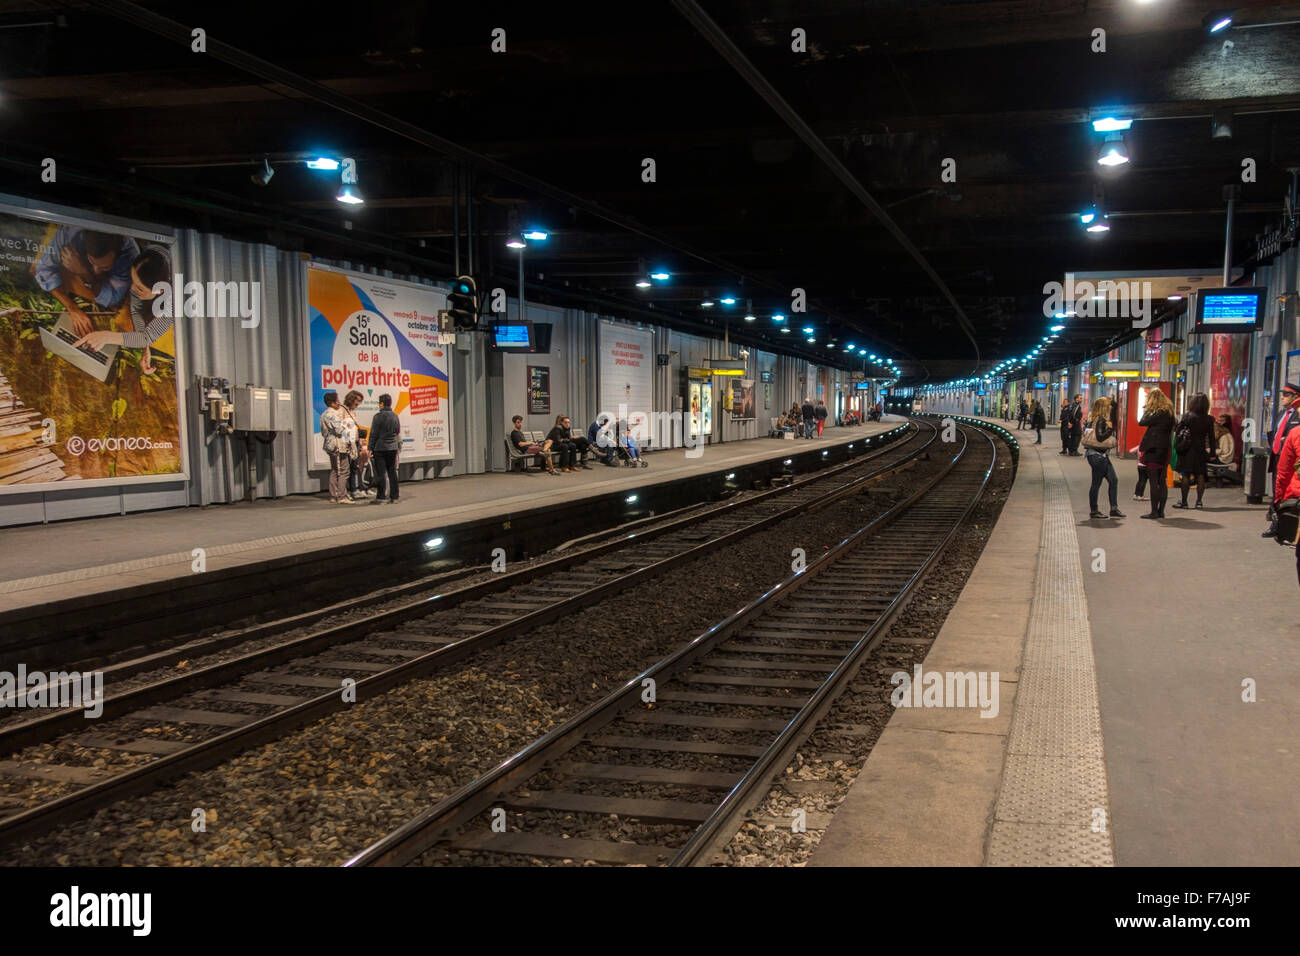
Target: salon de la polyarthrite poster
[(378, 337)]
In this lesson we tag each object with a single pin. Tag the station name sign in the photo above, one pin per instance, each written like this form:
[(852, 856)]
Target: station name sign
[(694, 371)]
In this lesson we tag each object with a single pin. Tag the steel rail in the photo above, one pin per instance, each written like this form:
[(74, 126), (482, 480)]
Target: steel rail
[(407, 842), (28, 732), (209, 752)]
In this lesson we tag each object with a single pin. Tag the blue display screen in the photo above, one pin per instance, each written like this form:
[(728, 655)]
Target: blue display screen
[(1231, 308), (512, 337)]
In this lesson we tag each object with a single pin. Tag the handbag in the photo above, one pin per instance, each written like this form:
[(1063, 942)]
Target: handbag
[(1288, 520)]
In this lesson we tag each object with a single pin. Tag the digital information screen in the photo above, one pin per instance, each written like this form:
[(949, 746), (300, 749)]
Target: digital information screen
[(1228, 310), (512, 337)]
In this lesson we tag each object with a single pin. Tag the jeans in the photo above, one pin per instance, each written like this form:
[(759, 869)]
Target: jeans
[(1040, 436), (567, 452), (386, 474), (1103, 468)]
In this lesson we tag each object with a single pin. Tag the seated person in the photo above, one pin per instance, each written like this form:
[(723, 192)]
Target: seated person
[(579, 442), (560, 438), (518, 440), (598, 436), (1224, 464)]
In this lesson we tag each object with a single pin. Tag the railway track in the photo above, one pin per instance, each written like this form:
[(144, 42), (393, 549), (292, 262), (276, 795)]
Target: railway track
[(199, 718), (667, 765)]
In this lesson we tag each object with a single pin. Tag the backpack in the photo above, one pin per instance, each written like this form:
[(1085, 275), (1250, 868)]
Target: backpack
[(1183, 439)]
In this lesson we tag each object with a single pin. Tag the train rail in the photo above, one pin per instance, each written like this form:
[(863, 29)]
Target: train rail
[(262, 695), (676, 750)]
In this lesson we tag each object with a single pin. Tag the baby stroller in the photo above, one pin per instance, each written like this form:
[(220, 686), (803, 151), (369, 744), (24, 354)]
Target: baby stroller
[(627, 450)]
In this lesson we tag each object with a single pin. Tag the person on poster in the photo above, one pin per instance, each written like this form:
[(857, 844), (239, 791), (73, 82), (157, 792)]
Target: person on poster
[(93, 266), (152, 266)]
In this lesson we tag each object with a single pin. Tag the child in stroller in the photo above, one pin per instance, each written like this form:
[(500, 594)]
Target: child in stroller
[(626, 448)]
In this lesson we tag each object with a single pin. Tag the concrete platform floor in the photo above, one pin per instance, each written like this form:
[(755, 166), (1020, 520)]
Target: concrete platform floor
[(41, 563), (1179, 768)]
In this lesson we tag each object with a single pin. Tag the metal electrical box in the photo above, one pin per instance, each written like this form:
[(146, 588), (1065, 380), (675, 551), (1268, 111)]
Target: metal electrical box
[(281, 410), (252, 409)]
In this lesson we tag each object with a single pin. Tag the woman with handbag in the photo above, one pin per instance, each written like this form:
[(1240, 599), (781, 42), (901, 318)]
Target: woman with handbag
[(1098, 440), (1194, 442), (1156, 447)]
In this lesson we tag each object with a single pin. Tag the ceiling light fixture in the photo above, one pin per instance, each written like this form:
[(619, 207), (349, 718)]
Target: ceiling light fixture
[(348, 194), (1113, 151)]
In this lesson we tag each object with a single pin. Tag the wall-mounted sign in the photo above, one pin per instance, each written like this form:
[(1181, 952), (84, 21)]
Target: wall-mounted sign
[(1123, 373), (539, 390), (1196, 354), (1175, 356), (765, 376)]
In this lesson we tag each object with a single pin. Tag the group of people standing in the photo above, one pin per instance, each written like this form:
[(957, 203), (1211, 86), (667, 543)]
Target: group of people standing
[(351, 446), (1030, 415)]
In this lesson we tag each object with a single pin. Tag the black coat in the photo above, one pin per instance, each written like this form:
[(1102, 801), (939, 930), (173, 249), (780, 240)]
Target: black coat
[(807, 410), (1040, 419), (385, 431), (820, 413), (1203, 445), (1158, 439)]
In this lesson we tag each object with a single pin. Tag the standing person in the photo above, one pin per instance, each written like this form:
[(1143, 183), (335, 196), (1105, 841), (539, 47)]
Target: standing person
[(1076, 424), (385, 440), (1006, 410), (1022, 412), (559, 439), (1196, 429), (1039, 419), (1287, 419), (820, 413), (1154, 451), (1065, 426), (355, 490), (338, 434), (1098, 442), (807, 412), (1288, 478)]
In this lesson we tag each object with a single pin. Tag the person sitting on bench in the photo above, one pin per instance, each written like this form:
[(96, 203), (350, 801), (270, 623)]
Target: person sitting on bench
[(561, 439), (518, 440), (598, 436), (1223, 466)]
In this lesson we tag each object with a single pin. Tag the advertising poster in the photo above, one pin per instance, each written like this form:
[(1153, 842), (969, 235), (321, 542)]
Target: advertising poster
[(379, 336), (89, 389), (627, 362), (706, 408), (693, 399), (742, 400), (539, 390)]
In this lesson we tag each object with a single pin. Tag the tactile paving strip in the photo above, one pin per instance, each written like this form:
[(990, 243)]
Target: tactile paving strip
[(1053, 808)]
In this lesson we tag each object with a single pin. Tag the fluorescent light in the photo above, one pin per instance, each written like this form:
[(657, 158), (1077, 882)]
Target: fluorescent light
[(1058, 328), (433, 543), (1087, 217), (631, 499), (1110, 124), (807, 330), (535, 234), (785, 330), (1220, 22), (778, 317), (1174, 298), (643, 283), (660, 276), (750, 318), (706, 304), (1100, 226), (516, 244), (728, 300), (323, 162)]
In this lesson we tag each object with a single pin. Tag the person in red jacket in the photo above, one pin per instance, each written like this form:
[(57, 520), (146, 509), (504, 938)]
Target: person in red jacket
[(1288, 479)]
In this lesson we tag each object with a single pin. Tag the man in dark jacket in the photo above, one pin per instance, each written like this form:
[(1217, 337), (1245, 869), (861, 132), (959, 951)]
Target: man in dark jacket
[(807, 411), (820, 413), (598, 437), (385, 440), (1076, 424)]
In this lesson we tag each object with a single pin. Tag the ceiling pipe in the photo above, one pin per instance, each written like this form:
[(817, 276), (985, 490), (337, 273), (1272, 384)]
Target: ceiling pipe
[(693, 12)]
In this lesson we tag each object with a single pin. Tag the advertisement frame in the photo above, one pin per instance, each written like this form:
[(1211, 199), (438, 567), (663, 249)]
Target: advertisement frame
[(136, 229), (309, 422)]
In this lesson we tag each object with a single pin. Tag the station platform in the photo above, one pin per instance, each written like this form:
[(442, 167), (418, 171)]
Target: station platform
[(90, 558), (1149, 676)]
